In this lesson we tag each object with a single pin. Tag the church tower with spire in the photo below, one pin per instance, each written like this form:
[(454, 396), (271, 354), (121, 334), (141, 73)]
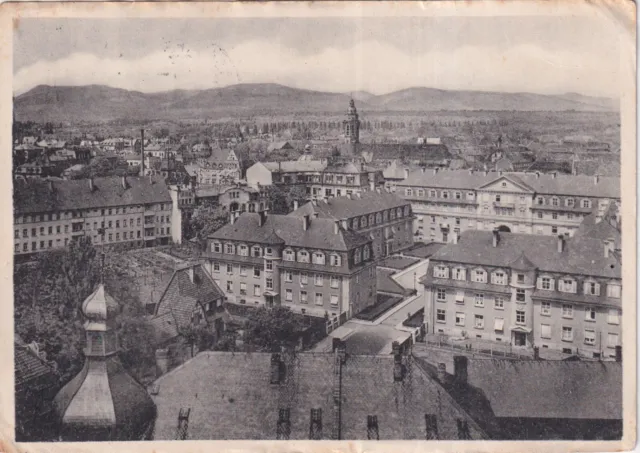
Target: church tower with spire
[(103, 402), (351, 126)]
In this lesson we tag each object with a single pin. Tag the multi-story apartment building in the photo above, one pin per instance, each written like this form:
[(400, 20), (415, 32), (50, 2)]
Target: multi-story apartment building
[(453, 201), (222, 167), (320, 178), (310, 264), (134, 212), (384, 217), (562, 293)]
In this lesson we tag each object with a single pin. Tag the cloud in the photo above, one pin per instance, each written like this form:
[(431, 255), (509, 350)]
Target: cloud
[(369, 65)]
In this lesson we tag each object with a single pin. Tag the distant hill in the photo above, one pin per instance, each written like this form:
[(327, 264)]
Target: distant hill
[(102, 103)]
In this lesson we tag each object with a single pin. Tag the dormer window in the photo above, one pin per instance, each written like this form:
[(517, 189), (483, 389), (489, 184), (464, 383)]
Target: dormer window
[(441, 271), (592, 288), (399, 213), (370, 219), (567, 285), (318, 258), (335, 260), (432, 193), (378, 218), (457, 195), (229, 248), (363, 221), (569, 202), (216, 247), (243, 250), (479, 276), (499, 278), (289, 255), (256, 251), (408, 192), (614, 290), (354, 224), (546, 283), (407, 211), (459, 273), (303, 256), (445, 194), (357, 256), (540, 200), (555, 201), (365, 252), (586, 204)]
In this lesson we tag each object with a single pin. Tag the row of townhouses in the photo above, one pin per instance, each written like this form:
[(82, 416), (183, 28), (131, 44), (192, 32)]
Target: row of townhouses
[(562, 293), (452, 201), (121, 211)]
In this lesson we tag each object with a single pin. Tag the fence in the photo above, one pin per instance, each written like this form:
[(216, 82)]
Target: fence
[(475, 346)]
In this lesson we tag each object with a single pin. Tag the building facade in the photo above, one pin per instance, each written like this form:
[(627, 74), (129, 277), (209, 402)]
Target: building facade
[(134, 212), (221, 167), (312, 265), (558, 293), (452, 201), (384, 217)]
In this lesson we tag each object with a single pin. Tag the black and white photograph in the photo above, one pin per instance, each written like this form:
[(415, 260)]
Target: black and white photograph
[(321, 221)]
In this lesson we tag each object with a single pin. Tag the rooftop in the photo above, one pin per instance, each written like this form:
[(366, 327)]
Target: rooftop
[(398, 262), (346, 207), (421, 250)]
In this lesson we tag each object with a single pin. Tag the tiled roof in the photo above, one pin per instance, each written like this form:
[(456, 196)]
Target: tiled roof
[(319, 235), (292, 166), (182, 294), (386, 284), (576, 185), (406, 151), (35, 196), (347, 167), (550, 389), (239, 402), (29, 368), (164, 327), (346, 207), (581, 255)]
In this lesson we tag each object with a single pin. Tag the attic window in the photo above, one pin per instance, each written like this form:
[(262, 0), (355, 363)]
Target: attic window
[(372, 427), (315, 425), (283, 430)]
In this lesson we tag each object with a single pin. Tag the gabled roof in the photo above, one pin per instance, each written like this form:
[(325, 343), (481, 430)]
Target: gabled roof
[(35, 196), (522, 263), (231, 397), (292, 166), (30, 371), (345, 207), (319, 235)]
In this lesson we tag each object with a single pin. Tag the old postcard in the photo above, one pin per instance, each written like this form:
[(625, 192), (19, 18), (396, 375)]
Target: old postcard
[(264, 225)]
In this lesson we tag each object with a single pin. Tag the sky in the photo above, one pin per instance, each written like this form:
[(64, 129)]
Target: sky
[(548, 55)]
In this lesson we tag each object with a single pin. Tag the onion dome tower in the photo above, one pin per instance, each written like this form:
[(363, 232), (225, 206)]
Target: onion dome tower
[(103, 402)]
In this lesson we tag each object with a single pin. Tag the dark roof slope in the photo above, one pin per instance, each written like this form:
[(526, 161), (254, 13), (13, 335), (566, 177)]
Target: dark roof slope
[(36, 196), (406, 151), (29, 368), (346, 207), (581, 255), (386, 284), (319, 235), (238, 401), (550, 389)]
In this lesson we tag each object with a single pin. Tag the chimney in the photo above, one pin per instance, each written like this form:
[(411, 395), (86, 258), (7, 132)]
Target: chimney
[(618, 353), (91, 186), (190, 273), (306, 222), (398, 368), (423, 170), (406, 173), (435, 171), (262, 218), (561, 243), (554, 174), (536, 353), (124, 182), (537, 175), (596, 179), (277, 368), (442, 372), (460, 369), (162, 361), (295, 205), (372, 185), (142, 152), (336, 227), (496, 237)]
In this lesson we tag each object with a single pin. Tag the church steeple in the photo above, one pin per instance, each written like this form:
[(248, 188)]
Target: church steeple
[(351, 125)]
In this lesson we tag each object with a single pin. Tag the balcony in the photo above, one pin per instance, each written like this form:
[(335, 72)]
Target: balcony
[(149, 212), (504, 204)]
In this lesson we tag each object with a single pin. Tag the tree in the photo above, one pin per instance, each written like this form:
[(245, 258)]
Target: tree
[(281, 198), (206, 218), (102, 166), (268, 329)]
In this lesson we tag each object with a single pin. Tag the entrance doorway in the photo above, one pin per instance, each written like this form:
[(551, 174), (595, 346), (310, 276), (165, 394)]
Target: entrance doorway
[(519, 338), (504, 229)]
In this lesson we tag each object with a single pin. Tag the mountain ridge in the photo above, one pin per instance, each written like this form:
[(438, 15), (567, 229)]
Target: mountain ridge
[(103, 103)]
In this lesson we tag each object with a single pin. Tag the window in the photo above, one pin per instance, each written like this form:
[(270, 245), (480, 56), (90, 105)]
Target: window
[(303, 256), (545, 331), (365, 252), (520, 317), (268, 283), (457, 195), (545, 283), (256, 272), (592, 288), (497, 198), (441, 271), (288, 276), (256, 290), (613, 316), (289, 255), (335, 282), (478, 322), (520, 295), (590, 314), (540, 200), (441, 294), (25, 232), (567, 333), (554, 201), (569, 202), (288, 294), (319, 300), (303, 279), (318, 258), (479, 300), (408, 192), (586, 204), (459, 274), (554, 215), (520, 278), (567, 285), (318, 280), (441, 315), (228, 248), (554, 229), (589, 337), (545, 308), (268, 265), (445, 194), (268, 251), (243, 250), (334, 300), (335, 260), (229, 268), (613, 290), (357, 256), (229, 286), (480, 276), (498, 302), (303, 297), (612, 340), (256, 251), (243, 288), (567, 311), (431, 422), (499, 278), (460, 319)]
